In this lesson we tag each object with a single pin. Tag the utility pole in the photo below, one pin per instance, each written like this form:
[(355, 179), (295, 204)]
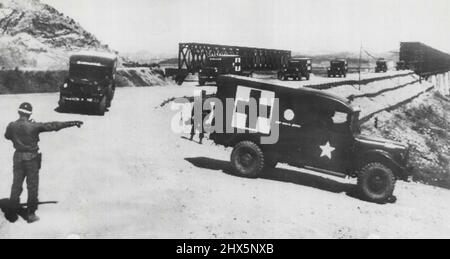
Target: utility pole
[(359, 65)]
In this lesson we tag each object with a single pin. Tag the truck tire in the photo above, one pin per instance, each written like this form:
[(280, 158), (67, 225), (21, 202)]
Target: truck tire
[(110, 96), (62, 106), (376, 182), (280, 76), (101, 109), (247, 159), (201, 82), (308, 76)]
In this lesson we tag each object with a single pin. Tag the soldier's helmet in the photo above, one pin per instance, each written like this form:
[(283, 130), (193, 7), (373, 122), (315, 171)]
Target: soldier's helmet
[(26, 108)]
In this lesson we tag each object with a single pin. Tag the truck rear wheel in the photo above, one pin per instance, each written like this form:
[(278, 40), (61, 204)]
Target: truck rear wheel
[(247, 159), (376, 182)]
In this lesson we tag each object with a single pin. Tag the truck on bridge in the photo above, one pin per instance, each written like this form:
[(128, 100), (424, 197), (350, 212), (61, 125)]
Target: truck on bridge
[(194, 56)]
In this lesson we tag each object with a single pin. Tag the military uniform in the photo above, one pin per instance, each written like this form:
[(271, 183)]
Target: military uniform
[(198, 125), (24, 134)]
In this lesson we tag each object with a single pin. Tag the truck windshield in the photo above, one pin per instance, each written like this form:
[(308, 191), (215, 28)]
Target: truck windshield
[(296, 63), (88, 72)]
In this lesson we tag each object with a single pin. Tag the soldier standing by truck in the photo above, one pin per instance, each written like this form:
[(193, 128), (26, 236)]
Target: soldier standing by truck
[(24, 134), (197, 124)]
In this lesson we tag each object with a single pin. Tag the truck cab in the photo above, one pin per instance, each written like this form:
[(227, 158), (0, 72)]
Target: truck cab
[(381, 66), (316, 130), (296, 68), (338, 67), (220, 65), (91, 82)]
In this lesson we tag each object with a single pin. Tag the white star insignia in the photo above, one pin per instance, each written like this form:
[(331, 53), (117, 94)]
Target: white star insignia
[(327, 150)]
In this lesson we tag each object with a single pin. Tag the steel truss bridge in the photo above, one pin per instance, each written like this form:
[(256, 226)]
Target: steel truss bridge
[(191, 56)]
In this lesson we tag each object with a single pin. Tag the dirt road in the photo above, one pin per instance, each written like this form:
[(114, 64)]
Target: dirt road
[(128, 175)]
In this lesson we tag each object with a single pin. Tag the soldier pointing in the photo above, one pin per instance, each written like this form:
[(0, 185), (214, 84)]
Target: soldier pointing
[(24, 134)]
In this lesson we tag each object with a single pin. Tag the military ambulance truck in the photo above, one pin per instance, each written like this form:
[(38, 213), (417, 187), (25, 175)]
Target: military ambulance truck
[(316, 130), (221, 65), (91, 82)]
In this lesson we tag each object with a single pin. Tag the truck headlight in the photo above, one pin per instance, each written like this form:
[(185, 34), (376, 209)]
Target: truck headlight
[(65, 85)]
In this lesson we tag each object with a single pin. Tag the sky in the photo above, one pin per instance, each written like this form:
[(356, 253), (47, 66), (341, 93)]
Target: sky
[(306, 26)]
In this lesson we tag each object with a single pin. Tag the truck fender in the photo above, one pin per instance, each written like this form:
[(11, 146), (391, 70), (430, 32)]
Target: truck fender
[(384, 157)]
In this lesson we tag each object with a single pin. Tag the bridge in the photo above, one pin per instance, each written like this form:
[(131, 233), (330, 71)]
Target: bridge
[(191, 56), (423, 59)]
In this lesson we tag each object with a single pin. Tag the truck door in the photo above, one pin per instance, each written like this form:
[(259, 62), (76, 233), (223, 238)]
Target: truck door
[(327, 141)]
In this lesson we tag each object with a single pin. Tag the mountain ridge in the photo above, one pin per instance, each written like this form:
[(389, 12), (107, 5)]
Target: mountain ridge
[(36, 35)]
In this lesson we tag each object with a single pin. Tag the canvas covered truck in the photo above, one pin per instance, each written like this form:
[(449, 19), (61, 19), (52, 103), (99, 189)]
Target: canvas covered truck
[(401, 65), (297, 68), (338, 68), (91, 82), (381, 66), (316, 130)]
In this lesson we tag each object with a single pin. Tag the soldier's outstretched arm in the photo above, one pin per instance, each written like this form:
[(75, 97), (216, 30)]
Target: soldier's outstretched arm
[(57, 126), (8, 133)]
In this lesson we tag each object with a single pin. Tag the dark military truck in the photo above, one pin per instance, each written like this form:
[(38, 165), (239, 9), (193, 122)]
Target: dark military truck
[(297, 68), (401, 65), (220, 65), (381, 66), (91, 82), (338, 68), (317, 131)]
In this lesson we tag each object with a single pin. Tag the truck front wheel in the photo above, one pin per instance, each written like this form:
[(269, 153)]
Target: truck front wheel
[(102, 106), (280, 76), (247, 159), (376, 183)]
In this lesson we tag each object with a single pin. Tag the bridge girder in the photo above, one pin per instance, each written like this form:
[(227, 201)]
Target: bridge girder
[(192, 56)]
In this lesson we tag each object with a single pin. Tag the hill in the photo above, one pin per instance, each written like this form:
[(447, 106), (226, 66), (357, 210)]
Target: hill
[(36, 35)]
